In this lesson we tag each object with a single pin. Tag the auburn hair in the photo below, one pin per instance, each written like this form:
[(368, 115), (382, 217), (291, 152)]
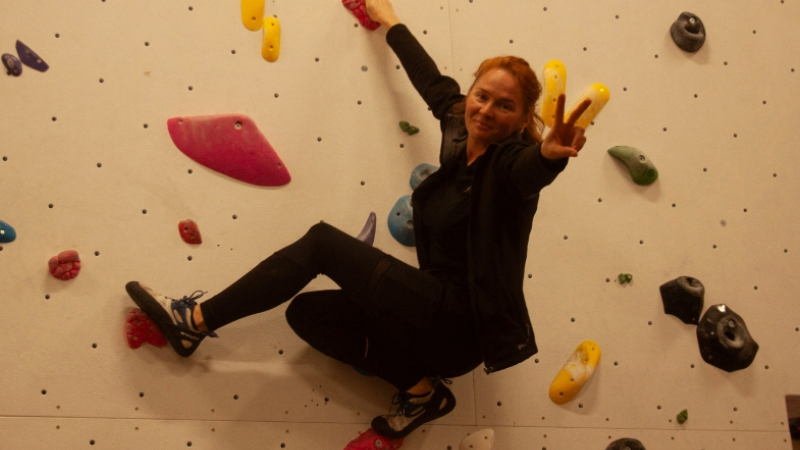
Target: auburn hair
[(529, 85)]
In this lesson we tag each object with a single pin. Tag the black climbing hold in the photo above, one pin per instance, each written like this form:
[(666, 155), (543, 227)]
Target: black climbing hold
[(724, 340), (688, 32), (626, 444), (683, 298)]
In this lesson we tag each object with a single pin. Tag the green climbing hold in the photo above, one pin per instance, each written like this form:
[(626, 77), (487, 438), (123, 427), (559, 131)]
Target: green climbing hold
[(642, 169), (625, 278), (412, 131), (683, 416), (405, 126)]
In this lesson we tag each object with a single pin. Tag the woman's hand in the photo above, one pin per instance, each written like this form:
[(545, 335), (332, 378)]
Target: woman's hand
[(381, 11), (565, 139)]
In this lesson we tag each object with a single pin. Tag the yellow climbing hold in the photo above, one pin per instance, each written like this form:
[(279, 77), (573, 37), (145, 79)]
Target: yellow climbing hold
[(253, 14), (555, 83), (598, 93), (575, 373), (271, 47)]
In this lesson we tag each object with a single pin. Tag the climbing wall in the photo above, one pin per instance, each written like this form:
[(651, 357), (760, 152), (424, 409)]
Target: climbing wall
[(88, 165)]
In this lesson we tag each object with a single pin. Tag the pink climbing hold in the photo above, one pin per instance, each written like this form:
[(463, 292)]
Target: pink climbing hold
[(66, 265), (189, 232), (370, 440), (230, 144), (359, 9), (140, 329)]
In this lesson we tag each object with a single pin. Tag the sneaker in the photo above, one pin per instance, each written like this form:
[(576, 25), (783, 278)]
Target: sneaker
[(172, 316), (370, 440), (415, 410)]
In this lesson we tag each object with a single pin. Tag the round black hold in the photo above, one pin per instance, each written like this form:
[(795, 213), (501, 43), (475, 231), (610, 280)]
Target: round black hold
[(724, 340), (688, 32), (683, 298), (626, 444)]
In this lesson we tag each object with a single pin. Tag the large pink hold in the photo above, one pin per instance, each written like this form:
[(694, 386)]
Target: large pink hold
[(230, 144), (370, 440), (140, 329), (359, 9), (66, 265)]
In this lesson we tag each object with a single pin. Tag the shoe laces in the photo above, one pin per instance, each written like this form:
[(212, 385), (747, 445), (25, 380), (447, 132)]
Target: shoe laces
[(190, 302), (405, 407)]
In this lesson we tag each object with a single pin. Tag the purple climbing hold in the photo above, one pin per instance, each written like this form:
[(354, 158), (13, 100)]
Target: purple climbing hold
[(367, 234), (13, 64), (30, 58)]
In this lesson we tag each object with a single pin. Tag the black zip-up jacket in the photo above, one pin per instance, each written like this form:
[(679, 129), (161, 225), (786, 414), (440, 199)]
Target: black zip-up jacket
[(504, 197)]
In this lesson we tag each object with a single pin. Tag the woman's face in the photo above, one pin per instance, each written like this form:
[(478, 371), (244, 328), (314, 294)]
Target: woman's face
[(494, 107)]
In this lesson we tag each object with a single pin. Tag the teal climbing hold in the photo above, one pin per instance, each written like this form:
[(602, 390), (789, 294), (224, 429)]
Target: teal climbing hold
[(420, 173), (401, 222), (641, 168), (7, 233)]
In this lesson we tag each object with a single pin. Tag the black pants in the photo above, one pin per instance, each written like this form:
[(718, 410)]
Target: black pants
[(389, 318)]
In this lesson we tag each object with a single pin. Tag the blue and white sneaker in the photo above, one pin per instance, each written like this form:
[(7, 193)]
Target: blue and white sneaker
[(174, 317)]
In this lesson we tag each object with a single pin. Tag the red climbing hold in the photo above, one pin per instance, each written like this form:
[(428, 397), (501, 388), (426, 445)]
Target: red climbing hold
[(66, 265), (359, 9), (189, 232), (230, 144), (140, 329), (370, 440)]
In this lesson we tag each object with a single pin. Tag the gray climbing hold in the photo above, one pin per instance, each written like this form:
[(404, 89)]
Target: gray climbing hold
[(724, 339), (642, 169), (401, 222), (12, 63), (420, 173), (626, 444), (688, 32), (683, 298)]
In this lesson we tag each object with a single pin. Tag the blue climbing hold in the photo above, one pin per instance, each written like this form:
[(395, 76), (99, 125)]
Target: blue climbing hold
[(401, 222), (420, 173), (7, 233)]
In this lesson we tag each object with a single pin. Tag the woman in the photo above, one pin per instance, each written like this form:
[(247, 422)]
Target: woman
[(472, 218)]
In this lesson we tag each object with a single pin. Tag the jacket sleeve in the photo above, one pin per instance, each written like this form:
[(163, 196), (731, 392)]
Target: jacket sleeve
[(525, 170), (439, 92)]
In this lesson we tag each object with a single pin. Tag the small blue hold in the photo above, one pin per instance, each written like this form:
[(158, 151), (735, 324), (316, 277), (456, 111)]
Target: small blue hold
[(401, 222), (7, 233), (420, 173)]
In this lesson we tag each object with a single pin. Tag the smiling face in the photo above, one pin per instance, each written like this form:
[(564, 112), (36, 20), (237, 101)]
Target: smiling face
[(494, 108)]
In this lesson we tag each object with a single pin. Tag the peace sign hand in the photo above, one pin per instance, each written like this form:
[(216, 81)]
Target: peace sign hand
[(565, 139)]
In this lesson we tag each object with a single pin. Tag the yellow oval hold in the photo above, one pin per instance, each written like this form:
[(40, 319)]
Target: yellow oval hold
[(555, 83), (271, 47), (599, 94), (575, 373), (253, 14)]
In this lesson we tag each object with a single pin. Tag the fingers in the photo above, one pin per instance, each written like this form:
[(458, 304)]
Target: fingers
[(578, 112), (559, 119), (578, 139)]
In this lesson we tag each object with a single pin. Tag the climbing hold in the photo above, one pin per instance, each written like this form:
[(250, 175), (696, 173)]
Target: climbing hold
[(555, 84), (724, 340), (641, 168), (12, 63), (625, 278), (420, 173), (683, 298), (30, 58), (688, 32), (599, 95), (367, 234), (370, 440), (66, 265), (7, 233), (683, 416), (359, 9), (230, 144), (479, 440), (401, 221), (140, 329), (410, 129), (625, 444), (253, 14), (189, 232), (271, 47), (575, 372)]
